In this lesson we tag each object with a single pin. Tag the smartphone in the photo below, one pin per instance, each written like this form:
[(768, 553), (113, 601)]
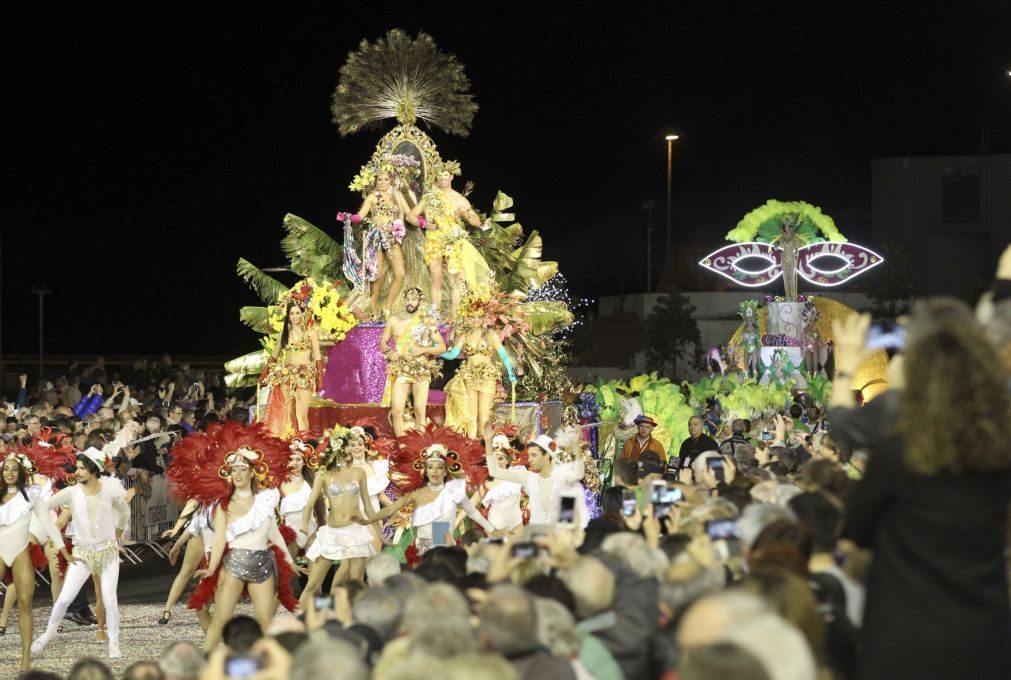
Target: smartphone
[(322, 602), (241, 666), (716, 465), (567, 510), (439, 530), (524, 549), (657, 492), (628, 502), (885, 335), (766, 436), (721, 529), (671, 495)]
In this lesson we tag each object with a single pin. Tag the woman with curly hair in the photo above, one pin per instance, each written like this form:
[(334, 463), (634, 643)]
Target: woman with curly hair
[(933, 502)]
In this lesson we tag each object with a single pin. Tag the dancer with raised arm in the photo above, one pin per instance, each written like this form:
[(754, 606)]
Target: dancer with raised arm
[(295, 493), (434, 467), (237, 469), (500, 497), (555, 471), (196, 534), (371, 453)]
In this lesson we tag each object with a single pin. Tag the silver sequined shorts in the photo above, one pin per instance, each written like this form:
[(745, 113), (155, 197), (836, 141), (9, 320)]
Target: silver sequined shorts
[(251, 566)]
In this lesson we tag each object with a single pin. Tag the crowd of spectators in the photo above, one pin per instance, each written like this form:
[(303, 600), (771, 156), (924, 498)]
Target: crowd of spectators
[(874, 550)]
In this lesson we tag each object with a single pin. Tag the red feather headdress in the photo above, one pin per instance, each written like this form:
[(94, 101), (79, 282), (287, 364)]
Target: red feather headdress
[(504, 440), (464, 457), (201, 461), (50, 454), (379, 446), (306, 450)]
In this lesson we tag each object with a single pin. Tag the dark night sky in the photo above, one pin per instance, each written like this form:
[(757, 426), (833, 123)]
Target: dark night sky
[(148, 148)]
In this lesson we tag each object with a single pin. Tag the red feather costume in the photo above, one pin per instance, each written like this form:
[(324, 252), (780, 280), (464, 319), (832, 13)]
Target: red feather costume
[(199, 471), (464, 457), (52, 456)]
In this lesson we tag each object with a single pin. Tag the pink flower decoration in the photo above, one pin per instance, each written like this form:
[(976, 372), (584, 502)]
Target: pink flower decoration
[(398, 230), (422, 222), (356, 218)]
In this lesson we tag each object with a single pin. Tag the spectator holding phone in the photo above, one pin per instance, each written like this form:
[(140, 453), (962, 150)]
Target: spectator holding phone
[(933, 503)]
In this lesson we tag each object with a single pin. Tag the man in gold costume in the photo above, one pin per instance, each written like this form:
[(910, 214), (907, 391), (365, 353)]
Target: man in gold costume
[(412, 362)]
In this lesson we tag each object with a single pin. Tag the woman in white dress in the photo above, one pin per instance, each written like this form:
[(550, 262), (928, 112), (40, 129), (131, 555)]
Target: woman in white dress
[(295, 492), (371, 454), (19, 502), (501, 498), (435, 466)]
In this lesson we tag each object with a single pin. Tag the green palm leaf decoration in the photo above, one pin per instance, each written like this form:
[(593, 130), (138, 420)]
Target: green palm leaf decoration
[(257, 318), (311, 251), (405, 78), (267, 287)]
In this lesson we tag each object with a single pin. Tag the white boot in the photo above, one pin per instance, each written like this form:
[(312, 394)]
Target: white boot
[(43, 640), (114, 652)]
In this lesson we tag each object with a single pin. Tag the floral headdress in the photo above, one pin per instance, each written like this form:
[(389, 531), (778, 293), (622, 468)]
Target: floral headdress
[(333, 446), (464, 457), (403, 167), (203, 462), (452, 167), (306, 450), (377, 446), (497, 311)]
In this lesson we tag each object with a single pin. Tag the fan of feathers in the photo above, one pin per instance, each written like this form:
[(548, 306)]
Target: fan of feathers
[(404, 78)]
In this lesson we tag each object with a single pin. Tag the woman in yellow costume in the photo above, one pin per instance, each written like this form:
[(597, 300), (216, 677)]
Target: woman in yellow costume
[(444, 213), (293, 380), (479, 341)]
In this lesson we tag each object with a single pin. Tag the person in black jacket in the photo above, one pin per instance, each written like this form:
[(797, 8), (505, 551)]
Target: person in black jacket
[(933, 503)]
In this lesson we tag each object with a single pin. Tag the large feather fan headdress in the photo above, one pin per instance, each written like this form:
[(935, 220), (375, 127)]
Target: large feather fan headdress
[(464, 457), (49, 454), (404, 78), (201, 462)]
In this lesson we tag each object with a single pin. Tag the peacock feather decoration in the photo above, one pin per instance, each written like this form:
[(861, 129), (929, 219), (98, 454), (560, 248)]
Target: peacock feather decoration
[(406, 78)]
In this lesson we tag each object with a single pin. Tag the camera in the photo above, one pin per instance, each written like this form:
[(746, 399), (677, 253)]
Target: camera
[(240, 666), (717, 466), (628, 502), (567, 510), (885, 335), (524, 550), (721, 529)]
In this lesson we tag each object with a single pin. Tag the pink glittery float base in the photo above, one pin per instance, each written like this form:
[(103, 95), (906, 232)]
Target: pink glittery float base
[(356, 369)]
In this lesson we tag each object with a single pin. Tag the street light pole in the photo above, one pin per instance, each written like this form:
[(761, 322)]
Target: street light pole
[(42, 293), (670, 152), (648, 207)]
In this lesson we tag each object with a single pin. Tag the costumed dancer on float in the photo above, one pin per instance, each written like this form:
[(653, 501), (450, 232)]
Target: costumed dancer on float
[(444, 214), (749, 337), (371, 453), (293, 380), (479, 374), (384, 210), (197, 536), (101, 510), (556, 470), (343, 538), (48, 457), (237, 469), (432, 470), (411, 363), (20, 502), (295, 493), (502, 498), (812, 337)]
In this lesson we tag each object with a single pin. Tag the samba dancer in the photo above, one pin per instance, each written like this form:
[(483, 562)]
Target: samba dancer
[(434, 466), (412, 363), (342, 538), (237, 469), (101, 512), (197, 537), (19, 503), (501, 498), (293, 381)]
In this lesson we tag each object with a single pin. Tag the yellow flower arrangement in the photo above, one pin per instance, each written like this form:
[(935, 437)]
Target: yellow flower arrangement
[(322, 301)]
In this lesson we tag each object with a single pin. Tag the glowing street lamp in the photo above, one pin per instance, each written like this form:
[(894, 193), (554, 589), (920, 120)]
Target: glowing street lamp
[(670, 142)]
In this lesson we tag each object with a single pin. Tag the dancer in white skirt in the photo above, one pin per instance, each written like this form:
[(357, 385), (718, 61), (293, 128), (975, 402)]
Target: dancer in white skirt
[(101, 515), (295, 492), (501, 497), (197, 537), (342, 538), (371, 454), (19, 503)]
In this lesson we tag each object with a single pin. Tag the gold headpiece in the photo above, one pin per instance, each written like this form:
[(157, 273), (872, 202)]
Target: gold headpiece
[(244, 458)]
